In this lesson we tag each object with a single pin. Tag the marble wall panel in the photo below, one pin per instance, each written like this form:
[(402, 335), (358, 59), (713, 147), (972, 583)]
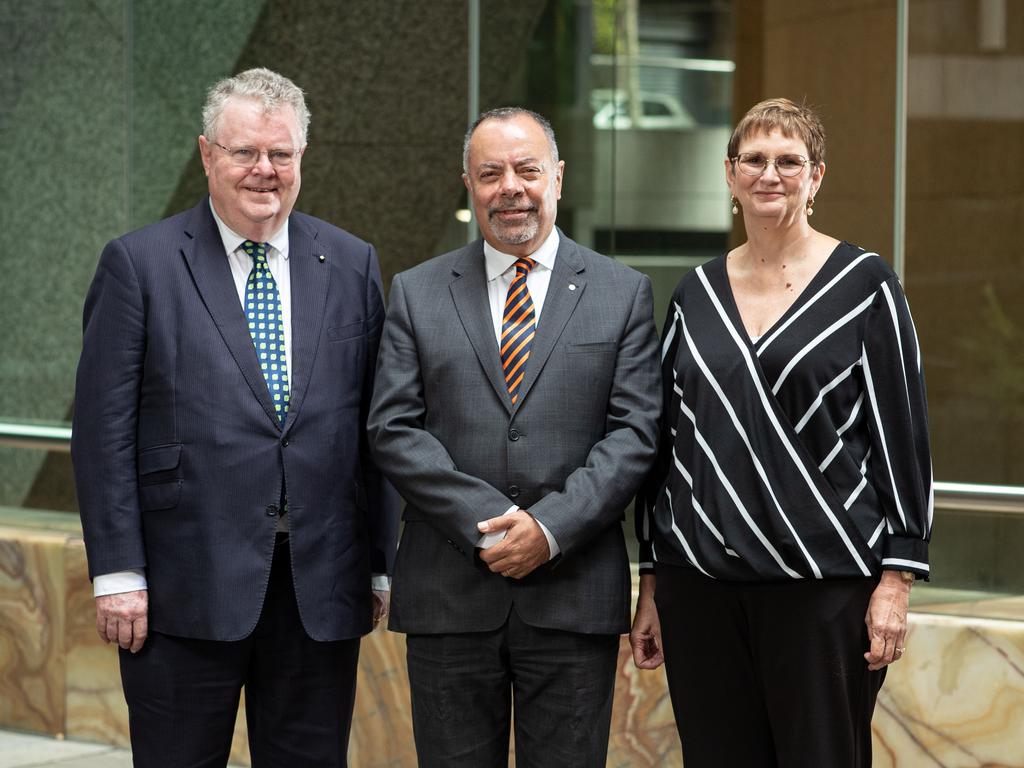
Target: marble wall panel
[(957, 697), (32, 660), (96, 710)]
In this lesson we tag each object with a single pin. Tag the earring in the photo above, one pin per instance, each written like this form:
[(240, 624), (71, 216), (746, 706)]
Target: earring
[(735, 205), (810, 206)]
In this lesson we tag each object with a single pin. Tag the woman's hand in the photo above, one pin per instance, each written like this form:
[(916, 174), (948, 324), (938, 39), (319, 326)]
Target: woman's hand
[(887, 620), (645, 636)]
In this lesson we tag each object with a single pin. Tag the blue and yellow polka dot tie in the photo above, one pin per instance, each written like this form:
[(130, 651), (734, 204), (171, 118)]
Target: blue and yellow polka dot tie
[(263, 312)]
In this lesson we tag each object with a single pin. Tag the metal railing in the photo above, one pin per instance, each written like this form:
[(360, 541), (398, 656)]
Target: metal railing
[(962, 497)]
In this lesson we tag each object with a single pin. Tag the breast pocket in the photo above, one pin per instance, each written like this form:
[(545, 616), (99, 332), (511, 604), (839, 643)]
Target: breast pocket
[(159, 476)]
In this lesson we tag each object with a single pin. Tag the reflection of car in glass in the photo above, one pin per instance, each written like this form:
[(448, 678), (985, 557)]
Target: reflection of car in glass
[(657, 111)]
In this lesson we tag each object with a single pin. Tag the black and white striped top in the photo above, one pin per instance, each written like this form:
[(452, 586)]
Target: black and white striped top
[(801, 455)]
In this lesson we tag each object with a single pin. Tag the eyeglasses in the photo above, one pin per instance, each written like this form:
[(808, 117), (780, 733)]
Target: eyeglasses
[(247, 157), (754, 164)]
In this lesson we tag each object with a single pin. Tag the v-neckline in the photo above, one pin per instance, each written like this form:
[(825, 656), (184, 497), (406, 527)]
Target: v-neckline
[(793, 307)]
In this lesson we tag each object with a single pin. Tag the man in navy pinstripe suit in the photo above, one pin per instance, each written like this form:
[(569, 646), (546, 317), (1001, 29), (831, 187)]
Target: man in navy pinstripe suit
[(233, 517)]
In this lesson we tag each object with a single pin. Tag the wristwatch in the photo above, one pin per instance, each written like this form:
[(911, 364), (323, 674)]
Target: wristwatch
[(907, 577)]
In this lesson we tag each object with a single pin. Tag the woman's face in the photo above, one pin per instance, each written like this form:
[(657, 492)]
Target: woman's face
[(771, 195)]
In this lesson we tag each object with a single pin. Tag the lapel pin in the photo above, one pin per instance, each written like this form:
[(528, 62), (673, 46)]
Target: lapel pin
[(572, 286), (321, 257)]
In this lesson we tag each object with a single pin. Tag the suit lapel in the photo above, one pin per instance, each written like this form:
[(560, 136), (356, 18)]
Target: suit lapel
[(469, 292), (203, 250), (309, 278), (564, 291)]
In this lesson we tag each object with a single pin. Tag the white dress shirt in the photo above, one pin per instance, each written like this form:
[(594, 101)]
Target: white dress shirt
[(500, 273)]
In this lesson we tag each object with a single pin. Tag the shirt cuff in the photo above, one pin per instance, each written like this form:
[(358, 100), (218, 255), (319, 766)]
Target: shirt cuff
[(553, 547), (380, 582), (115, 583)]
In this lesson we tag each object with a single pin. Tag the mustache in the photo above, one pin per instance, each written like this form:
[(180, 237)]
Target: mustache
[(500, 209)]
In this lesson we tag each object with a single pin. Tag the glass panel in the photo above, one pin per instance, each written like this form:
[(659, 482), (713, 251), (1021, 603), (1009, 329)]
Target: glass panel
[(965, 152)]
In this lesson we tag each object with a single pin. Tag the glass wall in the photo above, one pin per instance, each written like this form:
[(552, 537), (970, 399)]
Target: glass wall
[(101, 109), (964, 273)]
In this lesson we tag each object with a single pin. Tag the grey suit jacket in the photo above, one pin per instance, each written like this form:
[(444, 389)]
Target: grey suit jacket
[(572, 451)]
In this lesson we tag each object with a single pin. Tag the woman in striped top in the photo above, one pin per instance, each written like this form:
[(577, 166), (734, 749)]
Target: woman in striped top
[(791, 505)]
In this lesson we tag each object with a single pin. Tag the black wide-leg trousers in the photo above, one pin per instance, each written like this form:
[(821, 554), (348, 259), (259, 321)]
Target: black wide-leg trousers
[(183, 693), (768, 675)]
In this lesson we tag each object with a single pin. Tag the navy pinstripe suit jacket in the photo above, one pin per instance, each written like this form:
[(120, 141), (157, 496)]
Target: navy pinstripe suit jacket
[(178, 453)]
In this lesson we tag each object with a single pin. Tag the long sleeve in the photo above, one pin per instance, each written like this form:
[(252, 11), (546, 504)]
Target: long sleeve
[(596, 493), (103, 443), (648, 495), (380, 499), (900, 456), (417, 462)]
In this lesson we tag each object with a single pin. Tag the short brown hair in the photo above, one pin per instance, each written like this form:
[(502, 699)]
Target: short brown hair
[(795, 121)]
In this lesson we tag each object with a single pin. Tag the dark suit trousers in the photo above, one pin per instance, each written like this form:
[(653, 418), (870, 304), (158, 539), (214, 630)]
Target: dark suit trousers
[(183, 693), (465, 687), (768, 675)]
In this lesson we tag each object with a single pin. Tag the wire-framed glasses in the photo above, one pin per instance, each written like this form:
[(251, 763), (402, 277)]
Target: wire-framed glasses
[(754, 164), (247, 157)]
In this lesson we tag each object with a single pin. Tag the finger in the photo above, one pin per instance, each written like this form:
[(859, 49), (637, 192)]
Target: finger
[(101, 626), (502, 523), (140, 631), (111, 629), (502, 564), (124, 633), (874, 653)]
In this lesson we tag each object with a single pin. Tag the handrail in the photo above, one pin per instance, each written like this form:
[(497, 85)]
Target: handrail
[(45, 437), (965, 497)]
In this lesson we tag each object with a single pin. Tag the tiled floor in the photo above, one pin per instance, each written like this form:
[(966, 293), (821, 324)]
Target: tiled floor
[(20, 750)]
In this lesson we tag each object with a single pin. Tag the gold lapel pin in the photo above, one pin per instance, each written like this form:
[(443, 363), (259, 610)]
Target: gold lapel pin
[(572, 286), (321, 257)]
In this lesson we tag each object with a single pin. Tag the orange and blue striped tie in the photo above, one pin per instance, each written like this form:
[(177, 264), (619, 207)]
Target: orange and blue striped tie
[(518, 326)]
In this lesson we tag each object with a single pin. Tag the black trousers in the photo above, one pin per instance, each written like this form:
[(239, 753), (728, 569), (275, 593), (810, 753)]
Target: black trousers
[(465, 688), (768, 675), (183, 693)]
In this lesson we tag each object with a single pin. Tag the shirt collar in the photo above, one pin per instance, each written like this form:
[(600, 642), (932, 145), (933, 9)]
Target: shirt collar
[(233, 241), (498, 263)]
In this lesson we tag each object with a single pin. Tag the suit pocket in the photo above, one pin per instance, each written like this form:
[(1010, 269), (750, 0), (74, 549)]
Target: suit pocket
[(159, 477), (592, 347), (347, 331)]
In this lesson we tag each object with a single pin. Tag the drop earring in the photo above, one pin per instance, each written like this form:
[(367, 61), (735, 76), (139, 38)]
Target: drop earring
[(810, 206), (735, 205)]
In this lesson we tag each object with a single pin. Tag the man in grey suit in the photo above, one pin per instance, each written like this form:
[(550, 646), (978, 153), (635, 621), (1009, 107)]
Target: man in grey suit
[(515, 408)]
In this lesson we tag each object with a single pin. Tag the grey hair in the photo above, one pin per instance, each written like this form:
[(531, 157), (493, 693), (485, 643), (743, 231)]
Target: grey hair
[(508, 113), (272, 90)]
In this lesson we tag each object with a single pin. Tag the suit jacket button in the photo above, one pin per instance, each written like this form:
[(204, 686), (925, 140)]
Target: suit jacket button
[(513, 434), (271, 510), (513, 491), (285, 442)]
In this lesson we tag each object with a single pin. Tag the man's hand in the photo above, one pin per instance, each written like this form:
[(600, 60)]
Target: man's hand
[(887, 621), (645, 636), (524, 548), (123, 619), (381, 604)]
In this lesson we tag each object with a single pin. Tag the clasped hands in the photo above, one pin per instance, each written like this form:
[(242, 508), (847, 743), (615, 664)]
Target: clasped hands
[(524, 548)]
